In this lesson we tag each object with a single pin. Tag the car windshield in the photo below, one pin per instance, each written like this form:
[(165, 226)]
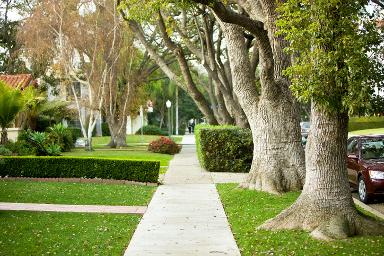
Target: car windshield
[(305, 125), (372, 148)]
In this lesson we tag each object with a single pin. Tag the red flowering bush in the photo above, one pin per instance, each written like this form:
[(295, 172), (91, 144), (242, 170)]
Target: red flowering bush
[(164, 145)]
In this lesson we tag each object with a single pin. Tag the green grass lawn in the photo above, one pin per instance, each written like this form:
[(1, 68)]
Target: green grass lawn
[(248, 209), (42, 233), (74, 193), (368, 132), (132, 139), (134, 153)]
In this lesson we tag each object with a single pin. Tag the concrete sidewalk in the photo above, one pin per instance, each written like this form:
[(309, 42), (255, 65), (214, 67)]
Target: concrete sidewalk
[(72, 208), (185, 216)]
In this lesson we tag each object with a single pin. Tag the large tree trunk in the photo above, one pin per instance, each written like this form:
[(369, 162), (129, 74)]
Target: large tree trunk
[(117, 128), (121, 139), (88, 144), (325, 206), (4, 136), (223, 112), (278, 157), (237, 112), (213, 100)]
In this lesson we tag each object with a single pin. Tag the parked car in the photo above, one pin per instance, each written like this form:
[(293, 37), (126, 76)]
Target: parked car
[(304, 131), (365, 163)]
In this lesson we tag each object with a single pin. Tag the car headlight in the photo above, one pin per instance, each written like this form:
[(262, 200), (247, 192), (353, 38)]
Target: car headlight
[(377, 175)]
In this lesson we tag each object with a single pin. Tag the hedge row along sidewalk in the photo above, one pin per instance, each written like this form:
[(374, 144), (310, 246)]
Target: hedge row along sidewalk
[(72, 167), (224, 148)]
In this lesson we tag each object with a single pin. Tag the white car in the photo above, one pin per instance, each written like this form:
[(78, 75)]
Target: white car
[(304, 131), (305, 128)]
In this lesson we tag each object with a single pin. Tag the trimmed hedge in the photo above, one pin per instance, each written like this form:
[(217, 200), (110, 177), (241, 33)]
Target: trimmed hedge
[(224, 148), (152, 130), (363, 123), (71, 167), (105, 129)]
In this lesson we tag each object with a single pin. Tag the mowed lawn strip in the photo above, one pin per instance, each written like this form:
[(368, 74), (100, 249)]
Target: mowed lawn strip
[(132, 139), (138, 153), (247, 209), (37, 233), (74, 193), (367, 132)]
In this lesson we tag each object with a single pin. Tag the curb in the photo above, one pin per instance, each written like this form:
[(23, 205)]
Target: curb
[(368, 208), (81, 180)]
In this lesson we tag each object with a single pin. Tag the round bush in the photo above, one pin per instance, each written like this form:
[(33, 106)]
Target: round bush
[(164, 145), (152, 130), (105, 129)]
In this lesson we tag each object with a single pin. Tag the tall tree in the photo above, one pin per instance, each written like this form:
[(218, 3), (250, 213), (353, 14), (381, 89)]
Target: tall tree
[(336, 46), (73, 38), (10, 61), (88, 44), (278, 160), (189, 38)]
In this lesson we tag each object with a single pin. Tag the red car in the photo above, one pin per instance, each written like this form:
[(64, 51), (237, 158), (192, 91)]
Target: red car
[(365, 164)]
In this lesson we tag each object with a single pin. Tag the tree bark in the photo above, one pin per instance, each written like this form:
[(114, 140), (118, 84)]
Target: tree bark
[(278, 157), (118, 132), (222, 109), (212, 97), (4, 136), (325, 207)]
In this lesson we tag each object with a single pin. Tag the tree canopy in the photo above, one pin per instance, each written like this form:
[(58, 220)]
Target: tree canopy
[(337, 51)]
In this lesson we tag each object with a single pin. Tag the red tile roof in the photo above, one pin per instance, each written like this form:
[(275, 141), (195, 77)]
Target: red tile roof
[(19, 81)]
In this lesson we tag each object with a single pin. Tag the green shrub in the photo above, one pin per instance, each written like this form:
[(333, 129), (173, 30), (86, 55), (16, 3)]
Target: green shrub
[(363, 123), (105, 129), (42, 145), (5, 151), (61, 136), (182, 128), (164, 145), (152, 130), (20, 148), (42, 123), (224, 148), (70, 167), (76, 133)]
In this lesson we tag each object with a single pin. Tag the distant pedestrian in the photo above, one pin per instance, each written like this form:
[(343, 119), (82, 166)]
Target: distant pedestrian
[(193, 126)]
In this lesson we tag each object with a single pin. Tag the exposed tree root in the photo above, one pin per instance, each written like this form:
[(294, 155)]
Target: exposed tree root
[(117, 143), (325, 223), (275, 175)]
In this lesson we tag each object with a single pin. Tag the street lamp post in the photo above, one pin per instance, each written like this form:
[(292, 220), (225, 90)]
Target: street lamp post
[(168, 105)]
